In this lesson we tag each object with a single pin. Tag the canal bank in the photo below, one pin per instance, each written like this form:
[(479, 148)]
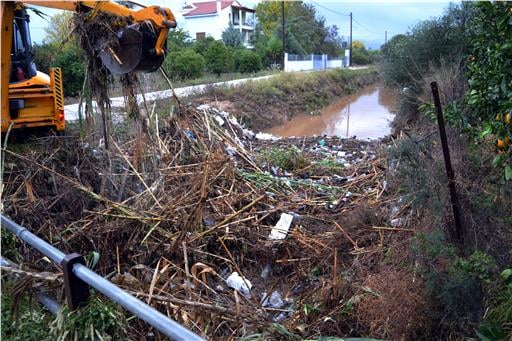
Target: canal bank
[(268, 103)]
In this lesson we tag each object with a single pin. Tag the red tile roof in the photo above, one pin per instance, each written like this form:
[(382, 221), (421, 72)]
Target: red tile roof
[(207, 7)]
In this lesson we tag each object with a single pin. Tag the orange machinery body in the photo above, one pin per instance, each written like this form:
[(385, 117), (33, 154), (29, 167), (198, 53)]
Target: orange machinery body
[(34, 102), (38, 100)]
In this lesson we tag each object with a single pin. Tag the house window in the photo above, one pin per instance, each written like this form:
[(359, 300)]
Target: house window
[(200, 35)]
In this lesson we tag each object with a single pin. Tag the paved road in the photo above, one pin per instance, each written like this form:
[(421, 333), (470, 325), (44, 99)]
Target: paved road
[(71, 110)]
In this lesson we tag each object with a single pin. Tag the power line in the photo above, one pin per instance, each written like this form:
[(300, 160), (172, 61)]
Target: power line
[(357, 22), (346, 15), (330, 10)]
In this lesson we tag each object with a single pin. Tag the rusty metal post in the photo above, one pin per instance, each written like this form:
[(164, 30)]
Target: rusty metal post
[(458, 233)]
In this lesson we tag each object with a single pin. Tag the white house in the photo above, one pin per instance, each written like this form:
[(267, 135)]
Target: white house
[(211, 18)]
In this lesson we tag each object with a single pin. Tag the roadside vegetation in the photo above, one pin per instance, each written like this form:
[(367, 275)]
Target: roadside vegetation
[(467, 51)]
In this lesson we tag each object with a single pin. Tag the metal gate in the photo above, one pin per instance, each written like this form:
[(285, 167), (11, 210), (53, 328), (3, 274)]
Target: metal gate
[(318, 62)]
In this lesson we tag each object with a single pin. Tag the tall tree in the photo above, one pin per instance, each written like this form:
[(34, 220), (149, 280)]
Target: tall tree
[(306, 32), (59, 29), (232, 37)]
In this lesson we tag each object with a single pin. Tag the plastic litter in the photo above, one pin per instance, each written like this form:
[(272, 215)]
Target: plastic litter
[(265, 273), (266, 136), (275, 300), (398, 222), (239, 283), (219, 120), (280, 231)]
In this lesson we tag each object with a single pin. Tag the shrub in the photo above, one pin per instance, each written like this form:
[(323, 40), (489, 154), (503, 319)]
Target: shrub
[(185, 64), (274, 49), (43, 56), (498, 321), (68, 58), (406, 58), (361, 57), (73, 69), (177, 39), (394, 296), (249, 62), (201, 46), (219, 59)]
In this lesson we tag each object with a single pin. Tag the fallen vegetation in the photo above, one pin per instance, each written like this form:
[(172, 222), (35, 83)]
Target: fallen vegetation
[(173, 216)]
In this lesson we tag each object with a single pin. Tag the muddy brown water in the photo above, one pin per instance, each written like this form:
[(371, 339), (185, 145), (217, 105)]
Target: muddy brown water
[(365, 114)]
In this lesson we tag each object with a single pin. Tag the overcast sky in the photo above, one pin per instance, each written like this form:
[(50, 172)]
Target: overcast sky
[(371, 19)]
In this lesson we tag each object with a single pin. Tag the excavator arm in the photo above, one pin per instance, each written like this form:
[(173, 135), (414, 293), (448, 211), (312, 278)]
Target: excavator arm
[(141, 45), (30, 98)]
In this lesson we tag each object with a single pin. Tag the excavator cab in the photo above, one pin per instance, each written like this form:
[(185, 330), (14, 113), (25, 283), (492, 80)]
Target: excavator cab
[(22, 58)]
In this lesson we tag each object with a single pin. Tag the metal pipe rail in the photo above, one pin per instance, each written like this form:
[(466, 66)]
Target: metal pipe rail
[(152, 316)]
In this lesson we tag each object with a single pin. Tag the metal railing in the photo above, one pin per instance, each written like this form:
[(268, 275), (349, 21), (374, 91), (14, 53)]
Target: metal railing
[(79, 275)]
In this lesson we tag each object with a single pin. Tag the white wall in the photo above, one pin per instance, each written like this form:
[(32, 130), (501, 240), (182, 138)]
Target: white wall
[(301, 65), (304, 65), (213, 25), (207, 24), (334, 63)]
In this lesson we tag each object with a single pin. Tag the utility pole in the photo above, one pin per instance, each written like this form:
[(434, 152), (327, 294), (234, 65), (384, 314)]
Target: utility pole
[(283, 34), (350, 58), (386, 37)]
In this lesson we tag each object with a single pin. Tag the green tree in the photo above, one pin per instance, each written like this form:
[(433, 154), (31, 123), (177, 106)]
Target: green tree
[(178, 39), (73, 69), (44, 55), (59, 29), (249, 62), (184, 64), (306, 32), (232, 37), (269, 15), (202, 45), (360, 56), (358, 45), (218, 58), (406, 58), (274, 49), (59, 49), (490, 83)]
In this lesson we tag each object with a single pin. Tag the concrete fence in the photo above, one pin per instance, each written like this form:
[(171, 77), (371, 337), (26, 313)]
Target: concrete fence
[(293, 62)]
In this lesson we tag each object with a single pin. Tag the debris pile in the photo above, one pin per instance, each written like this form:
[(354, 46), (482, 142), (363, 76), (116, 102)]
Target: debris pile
[(213, 226)]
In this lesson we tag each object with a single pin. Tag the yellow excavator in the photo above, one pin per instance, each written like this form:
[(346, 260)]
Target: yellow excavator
[(31, 98)]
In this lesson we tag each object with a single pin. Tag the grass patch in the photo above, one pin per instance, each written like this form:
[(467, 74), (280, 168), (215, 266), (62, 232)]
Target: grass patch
[(26, 320), (288, 159), (329, 164)]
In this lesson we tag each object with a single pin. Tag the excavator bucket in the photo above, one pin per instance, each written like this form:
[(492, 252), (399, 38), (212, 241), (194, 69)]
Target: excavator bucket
[(134, 52)]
